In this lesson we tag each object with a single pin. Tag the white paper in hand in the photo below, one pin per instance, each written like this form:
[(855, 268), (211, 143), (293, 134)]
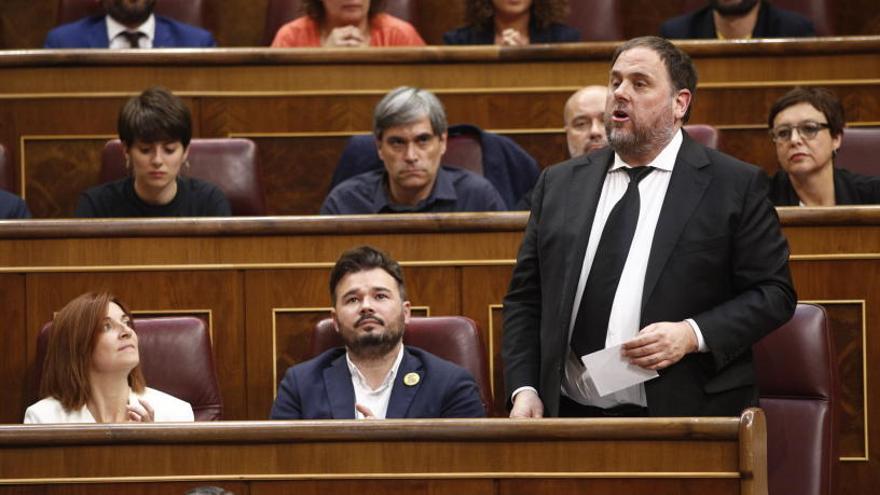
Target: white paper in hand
[(611, 372)]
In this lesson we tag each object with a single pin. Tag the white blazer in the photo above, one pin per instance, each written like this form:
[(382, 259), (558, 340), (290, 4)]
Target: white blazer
[(165, 407)]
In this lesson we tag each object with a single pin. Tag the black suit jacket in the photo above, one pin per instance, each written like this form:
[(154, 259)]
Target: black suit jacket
[(772, 23), (718, 256), (850, 188)]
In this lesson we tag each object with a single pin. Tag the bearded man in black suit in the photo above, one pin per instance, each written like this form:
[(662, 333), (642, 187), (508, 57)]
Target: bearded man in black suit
[(703, 277)]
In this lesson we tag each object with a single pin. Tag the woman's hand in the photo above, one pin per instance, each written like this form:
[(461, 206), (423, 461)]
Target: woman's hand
[(512, 37), (349, 36), (142, 413)]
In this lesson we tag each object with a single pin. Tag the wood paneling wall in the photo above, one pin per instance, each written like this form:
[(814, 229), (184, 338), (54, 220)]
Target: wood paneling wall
[(57, 108), (24, 23), (264, 283)]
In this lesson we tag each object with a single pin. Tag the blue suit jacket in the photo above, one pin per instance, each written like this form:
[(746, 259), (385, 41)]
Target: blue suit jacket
[(12, 207), (321, 389), (91, 32)]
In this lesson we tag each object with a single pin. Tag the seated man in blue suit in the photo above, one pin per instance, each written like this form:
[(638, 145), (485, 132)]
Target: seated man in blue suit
[(374, 375), (128, 24), (12, 207)]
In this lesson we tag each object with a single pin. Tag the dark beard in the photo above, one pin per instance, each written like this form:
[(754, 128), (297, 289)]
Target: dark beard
[(640, 142), (737, 10), (374, 345), (131, 15)]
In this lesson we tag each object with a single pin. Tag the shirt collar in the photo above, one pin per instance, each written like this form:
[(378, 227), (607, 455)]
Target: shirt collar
[(444, 190), (389, 378), (663, 161), (148, 28)]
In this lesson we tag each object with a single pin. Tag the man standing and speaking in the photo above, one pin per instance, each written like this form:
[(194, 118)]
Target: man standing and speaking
[(657, 244)]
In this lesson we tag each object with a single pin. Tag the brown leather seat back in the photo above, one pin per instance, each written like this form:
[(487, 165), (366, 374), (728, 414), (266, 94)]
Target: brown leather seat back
[(230, 164), (280, 12), (176, 358), (453, 338), (189, 11), (797, 377), (6, 175), (464, 150), (597, 20), (703, 134), (859, 150)]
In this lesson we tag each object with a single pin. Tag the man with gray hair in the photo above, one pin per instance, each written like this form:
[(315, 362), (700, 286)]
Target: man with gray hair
[(409, 125)]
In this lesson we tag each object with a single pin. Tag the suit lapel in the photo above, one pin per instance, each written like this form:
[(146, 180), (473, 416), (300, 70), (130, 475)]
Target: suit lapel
[(582, 198), (97, 34), (162, 37), (686, 187), (402, 394), (340, 391)]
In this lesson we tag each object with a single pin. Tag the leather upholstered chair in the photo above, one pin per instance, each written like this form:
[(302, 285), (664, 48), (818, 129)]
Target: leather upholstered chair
[(859, 150), (176, 358), (6, 178), (597, 20), (280, 12), (797, 377), (189, 11), (704, 134), (453, 338), (230, 164)]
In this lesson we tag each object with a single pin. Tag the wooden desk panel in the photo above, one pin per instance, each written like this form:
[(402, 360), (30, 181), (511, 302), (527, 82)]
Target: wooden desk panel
[(264, 280), (726, 453), (301, 105)]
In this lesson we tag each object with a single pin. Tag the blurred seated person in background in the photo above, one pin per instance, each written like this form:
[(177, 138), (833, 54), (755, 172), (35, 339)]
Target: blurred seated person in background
[(12, 207), (91, 373), (733, 19), (409, 125), (128, 24), (155, 129), (806, 126), (513, 23), (584, 119), (346, 23), (584, 116), (374, 376)]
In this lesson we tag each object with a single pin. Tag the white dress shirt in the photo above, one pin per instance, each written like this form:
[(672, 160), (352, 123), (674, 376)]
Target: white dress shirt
[(377, 399), (624, 320), (114, 30)]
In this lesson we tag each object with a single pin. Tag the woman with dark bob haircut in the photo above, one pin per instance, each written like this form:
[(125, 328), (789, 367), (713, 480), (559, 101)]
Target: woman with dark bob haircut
[(513, 23), (346, 23), (92, 372), (806, 126), (155, 128)]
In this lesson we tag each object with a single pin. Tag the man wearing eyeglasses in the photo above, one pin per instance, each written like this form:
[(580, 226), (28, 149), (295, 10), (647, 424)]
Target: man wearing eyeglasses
[(410, 125)]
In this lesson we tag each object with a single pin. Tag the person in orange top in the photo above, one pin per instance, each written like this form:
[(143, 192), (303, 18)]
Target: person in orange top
[(346, 23)]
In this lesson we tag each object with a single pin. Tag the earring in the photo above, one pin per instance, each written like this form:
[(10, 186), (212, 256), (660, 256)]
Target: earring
[(127, 162)]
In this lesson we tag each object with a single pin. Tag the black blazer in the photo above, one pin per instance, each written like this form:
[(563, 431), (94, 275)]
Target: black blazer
[(849, 189), (772, 23), (554, 33), (718, 256)]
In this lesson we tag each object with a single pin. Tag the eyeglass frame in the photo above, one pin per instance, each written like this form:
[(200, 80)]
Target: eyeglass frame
[(802, 128)]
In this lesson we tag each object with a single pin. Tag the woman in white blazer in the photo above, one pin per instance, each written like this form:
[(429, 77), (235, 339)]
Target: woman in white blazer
[(91, 373)]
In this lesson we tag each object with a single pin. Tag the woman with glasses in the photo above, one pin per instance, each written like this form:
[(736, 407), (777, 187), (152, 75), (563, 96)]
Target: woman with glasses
[(92, 370), (806, 125)]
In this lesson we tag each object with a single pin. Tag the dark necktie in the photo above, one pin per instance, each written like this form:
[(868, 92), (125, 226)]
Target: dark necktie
[(133, 38), (591, 323)]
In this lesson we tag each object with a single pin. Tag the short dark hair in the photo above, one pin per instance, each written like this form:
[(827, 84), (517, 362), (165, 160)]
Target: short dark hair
[(361, 259), (821, 99), (155, 115), (315, 9), (679, 65)]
